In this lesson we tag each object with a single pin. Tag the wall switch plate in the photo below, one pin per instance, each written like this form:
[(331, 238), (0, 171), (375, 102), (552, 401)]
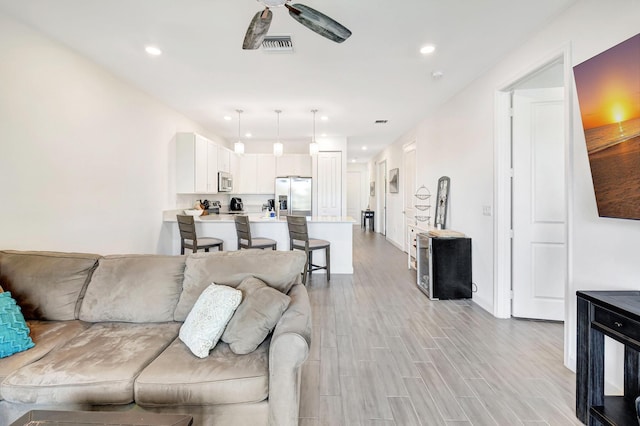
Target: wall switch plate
[(486, 210)]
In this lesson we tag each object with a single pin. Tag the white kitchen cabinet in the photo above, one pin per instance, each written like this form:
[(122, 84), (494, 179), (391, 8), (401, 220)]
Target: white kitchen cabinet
[(224, 159), (266, 174), (293, 165), (246, 176), (255, 174), (196, 172), (212, 168), (234, 169)]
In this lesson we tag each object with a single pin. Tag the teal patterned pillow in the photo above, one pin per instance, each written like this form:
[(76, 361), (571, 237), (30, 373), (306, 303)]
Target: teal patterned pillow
[(14, 332)]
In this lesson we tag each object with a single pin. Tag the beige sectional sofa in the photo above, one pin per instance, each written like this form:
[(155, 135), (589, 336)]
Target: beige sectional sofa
[(106, 328)]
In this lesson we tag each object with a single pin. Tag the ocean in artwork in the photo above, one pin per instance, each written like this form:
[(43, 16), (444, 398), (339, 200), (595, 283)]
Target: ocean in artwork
[(603, 137), (615, 168)]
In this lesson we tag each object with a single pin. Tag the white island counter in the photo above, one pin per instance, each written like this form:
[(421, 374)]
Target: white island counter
[(337, 230)]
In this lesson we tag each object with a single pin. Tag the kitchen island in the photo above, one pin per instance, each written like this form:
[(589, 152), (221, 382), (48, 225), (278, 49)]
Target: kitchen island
[(336, 229)]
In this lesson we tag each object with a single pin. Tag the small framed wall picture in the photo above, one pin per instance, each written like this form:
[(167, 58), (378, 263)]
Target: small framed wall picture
[(393, 180)]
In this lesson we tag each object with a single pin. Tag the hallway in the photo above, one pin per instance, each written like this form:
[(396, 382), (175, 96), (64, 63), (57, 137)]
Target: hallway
[(384, 354)]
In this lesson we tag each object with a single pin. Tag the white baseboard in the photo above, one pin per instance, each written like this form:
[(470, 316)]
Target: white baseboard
[(397, 245)]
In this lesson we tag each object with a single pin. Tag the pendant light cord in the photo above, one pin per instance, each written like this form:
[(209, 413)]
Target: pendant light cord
[(314, 125), (239, 112)]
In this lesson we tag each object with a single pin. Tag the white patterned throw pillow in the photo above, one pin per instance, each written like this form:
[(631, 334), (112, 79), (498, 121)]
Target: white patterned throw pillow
[(208, 318)]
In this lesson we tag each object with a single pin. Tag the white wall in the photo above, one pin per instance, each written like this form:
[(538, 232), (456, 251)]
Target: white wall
[(458, 141), (86, 160)]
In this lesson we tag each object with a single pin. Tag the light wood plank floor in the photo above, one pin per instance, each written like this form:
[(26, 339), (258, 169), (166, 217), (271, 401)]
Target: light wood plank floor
[(384, 354)]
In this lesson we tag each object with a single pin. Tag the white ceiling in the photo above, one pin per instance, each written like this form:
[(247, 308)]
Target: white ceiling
[(378, 73)]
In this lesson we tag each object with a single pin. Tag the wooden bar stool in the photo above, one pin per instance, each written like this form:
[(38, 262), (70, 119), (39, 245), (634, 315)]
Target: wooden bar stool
[(243, 231), (189, 239), (299, 240)]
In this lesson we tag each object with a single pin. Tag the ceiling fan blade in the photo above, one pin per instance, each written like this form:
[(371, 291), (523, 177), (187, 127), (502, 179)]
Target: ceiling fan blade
[(319, 22), (258, 28)]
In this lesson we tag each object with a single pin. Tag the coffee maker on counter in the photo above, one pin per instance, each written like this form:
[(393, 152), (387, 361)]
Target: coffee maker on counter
[(236, 204)]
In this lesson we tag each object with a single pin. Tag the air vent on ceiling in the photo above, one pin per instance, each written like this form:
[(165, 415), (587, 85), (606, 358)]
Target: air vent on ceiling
[(381, 121), (277, 44)]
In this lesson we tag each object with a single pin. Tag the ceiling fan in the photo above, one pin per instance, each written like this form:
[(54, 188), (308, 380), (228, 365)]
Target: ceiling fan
[(310, 18)]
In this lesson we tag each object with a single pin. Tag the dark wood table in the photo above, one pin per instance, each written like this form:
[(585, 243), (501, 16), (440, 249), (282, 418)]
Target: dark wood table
[(615, 314), (104, 418), (368, 215)]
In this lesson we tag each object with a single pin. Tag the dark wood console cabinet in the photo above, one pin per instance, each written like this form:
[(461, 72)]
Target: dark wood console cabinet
[(615, 314)]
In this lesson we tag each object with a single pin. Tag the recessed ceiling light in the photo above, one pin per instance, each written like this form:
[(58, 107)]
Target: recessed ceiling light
[(324, 118), (153, 51), (437, 75), (364, 148), (353, 161), (247, 135), (227, 118), (428, 49), (324, 135)]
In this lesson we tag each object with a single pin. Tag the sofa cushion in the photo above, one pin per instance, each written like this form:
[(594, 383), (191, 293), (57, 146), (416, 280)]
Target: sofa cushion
[(46, 285), (278, 269), (205, 323), (46, 335), (176, 377), (98, 366), (14, 332), (259, 312), (133, 288)]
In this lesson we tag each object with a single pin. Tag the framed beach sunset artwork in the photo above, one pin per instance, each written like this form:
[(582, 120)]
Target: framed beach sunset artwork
[(608, 88)]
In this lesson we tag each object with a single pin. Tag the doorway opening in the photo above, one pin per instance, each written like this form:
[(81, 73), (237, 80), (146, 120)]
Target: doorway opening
[(529, 201), (354, 193)]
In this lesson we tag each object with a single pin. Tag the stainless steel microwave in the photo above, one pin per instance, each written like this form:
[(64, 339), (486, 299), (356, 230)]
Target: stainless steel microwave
[(225, 182)]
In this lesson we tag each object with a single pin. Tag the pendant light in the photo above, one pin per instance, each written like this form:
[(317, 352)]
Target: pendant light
[(238, 147), (314, 148), (278, 148)]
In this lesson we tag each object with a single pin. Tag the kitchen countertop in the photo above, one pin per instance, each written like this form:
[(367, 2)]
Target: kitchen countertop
[(170, 216)]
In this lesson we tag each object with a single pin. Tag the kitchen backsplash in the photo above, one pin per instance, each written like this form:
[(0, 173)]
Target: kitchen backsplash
[(252, 203)]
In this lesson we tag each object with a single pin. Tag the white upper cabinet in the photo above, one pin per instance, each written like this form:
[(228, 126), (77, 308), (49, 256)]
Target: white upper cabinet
[(224, 159), (245, 177), (196, 165), (293, 165), (266, 174), (234, 169), (255, 174), (212, 168)]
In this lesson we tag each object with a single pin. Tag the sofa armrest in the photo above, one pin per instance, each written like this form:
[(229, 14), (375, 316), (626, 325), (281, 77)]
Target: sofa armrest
[(288, 351)]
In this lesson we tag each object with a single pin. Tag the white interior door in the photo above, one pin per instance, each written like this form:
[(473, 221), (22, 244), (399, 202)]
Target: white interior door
[(538, 204), (409, 210), (354, 194)]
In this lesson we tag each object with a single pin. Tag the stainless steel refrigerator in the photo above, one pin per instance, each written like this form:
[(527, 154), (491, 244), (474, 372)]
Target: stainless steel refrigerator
[(293, 195)]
